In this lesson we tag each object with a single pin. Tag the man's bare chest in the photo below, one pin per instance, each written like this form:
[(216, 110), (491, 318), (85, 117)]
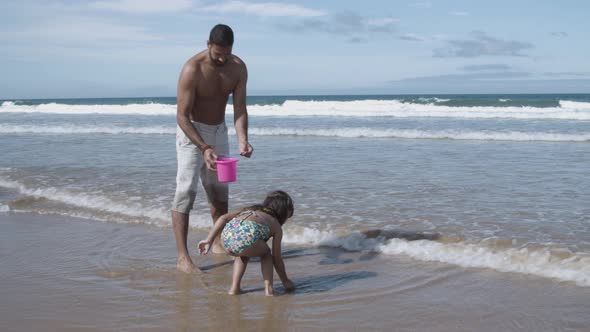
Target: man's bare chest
[(217, 83)]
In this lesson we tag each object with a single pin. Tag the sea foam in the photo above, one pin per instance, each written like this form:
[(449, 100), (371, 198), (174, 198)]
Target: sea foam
[(573, 267), (574, 105), (101, 207), (542, 262), (56, 108), (85, 129), (424, 134), (83, 200), (355, 132), (568, 110)]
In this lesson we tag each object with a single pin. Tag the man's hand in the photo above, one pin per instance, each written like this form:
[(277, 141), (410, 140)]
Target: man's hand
[(210, 157), (246, 149)]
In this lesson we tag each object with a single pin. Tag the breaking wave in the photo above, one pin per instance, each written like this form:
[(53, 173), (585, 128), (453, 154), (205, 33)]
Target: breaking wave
[(358, 132), (567, 110)]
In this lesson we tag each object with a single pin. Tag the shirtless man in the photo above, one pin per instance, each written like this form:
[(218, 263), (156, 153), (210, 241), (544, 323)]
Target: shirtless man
[(206, 81)]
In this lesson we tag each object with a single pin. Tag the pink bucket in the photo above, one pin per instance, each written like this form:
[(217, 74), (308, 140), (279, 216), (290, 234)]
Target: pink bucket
[(227, 169)]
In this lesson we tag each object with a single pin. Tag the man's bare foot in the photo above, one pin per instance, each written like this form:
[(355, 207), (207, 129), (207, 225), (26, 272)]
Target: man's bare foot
[(186, 265), (268, 291), (235, 291)]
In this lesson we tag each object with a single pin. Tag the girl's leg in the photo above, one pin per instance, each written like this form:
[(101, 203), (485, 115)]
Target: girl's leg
[(261, 249), (240, 264), (267, 273)]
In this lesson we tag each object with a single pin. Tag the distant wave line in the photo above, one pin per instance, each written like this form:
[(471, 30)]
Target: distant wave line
[(84, 129), (360, 132), (426, 134), (568, 110)]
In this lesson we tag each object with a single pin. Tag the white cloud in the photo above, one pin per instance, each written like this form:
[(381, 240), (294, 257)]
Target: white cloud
[(412, 37), (421, 5), (487, 67), (80, 30), (143, 6), (559, 34), (482, 44), (354, 27), (270, 9), (384, 22), (458, 13)]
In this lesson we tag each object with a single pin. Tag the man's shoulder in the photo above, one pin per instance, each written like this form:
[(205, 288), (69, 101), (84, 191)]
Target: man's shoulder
[(196, 60), (238, 65), (238, 60)]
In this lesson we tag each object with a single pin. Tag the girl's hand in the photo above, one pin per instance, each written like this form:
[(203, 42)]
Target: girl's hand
[(289, 285), (204, 247)]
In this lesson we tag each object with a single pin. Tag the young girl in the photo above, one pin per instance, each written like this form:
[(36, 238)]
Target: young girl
[(244, 234)]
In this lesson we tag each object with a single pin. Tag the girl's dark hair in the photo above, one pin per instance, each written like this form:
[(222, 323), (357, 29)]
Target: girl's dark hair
[(278, 204), (221, 35)]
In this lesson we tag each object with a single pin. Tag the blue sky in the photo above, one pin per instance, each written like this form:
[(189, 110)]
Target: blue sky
[(117, 48)]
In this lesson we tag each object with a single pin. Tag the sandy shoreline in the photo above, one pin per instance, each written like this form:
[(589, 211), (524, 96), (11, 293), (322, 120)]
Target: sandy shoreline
[(62, 273)]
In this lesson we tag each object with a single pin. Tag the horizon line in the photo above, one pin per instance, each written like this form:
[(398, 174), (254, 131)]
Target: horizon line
[(323, 95)]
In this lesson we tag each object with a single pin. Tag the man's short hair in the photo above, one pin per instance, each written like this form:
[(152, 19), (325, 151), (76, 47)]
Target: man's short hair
[(221, 35)]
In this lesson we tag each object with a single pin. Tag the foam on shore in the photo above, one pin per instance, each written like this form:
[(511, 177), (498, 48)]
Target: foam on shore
[(543, 262)]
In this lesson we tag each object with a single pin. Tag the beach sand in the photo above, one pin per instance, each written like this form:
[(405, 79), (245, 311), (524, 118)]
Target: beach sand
[(65, 274)]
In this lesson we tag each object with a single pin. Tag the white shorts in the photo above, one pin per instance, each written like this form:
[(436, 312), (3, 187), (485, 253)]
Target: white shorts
[(191, 167)]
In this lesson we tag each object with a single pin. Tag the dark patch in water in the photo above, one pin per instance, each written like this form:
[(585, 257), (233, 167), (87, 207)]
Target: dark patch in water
[(318, 284), (400, 234)]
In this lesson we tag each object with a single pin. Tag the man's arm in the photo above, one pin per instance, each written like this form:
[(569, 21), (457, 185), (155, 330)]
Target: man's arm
[(185, 99), (241, 114)]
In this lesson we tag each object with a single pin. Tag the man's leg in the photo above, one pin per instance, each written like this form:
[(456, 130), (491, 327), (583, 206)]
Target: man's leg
[(218, 208), (217, 195), (180, 226), (217, 192), (187, 177)]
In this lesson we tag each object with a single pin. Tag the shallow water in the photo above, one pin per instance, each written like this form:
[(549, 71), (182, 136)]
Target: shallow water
[(504, 180), (73, 274)]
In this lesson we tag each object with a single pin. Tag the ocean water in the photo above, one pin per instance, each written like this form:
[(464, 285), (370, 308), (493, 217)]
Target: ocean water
[(504, 180)]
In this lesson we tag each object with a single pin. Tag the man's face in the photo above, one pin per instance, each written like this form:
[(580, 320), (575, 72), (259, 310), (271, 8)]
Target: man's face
[(219, 54)]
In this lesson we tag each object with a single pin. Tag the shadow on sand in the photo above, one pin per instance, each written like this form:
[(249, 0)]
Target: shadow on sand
[(317, 284), (323, 283), (333, 255)]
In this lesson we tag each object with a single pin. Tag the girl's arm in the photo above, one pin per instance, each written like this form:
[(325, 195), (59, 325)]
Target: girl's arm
[(205, 245), (277, 259)]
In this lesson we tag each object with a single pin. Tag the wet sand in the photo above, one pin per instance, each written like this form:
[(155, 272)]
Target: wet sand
[(66, 274)]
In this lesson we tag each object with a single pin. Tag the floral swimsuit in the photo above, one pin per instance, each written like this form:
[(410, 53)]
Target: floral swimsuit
[(239, 233)]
